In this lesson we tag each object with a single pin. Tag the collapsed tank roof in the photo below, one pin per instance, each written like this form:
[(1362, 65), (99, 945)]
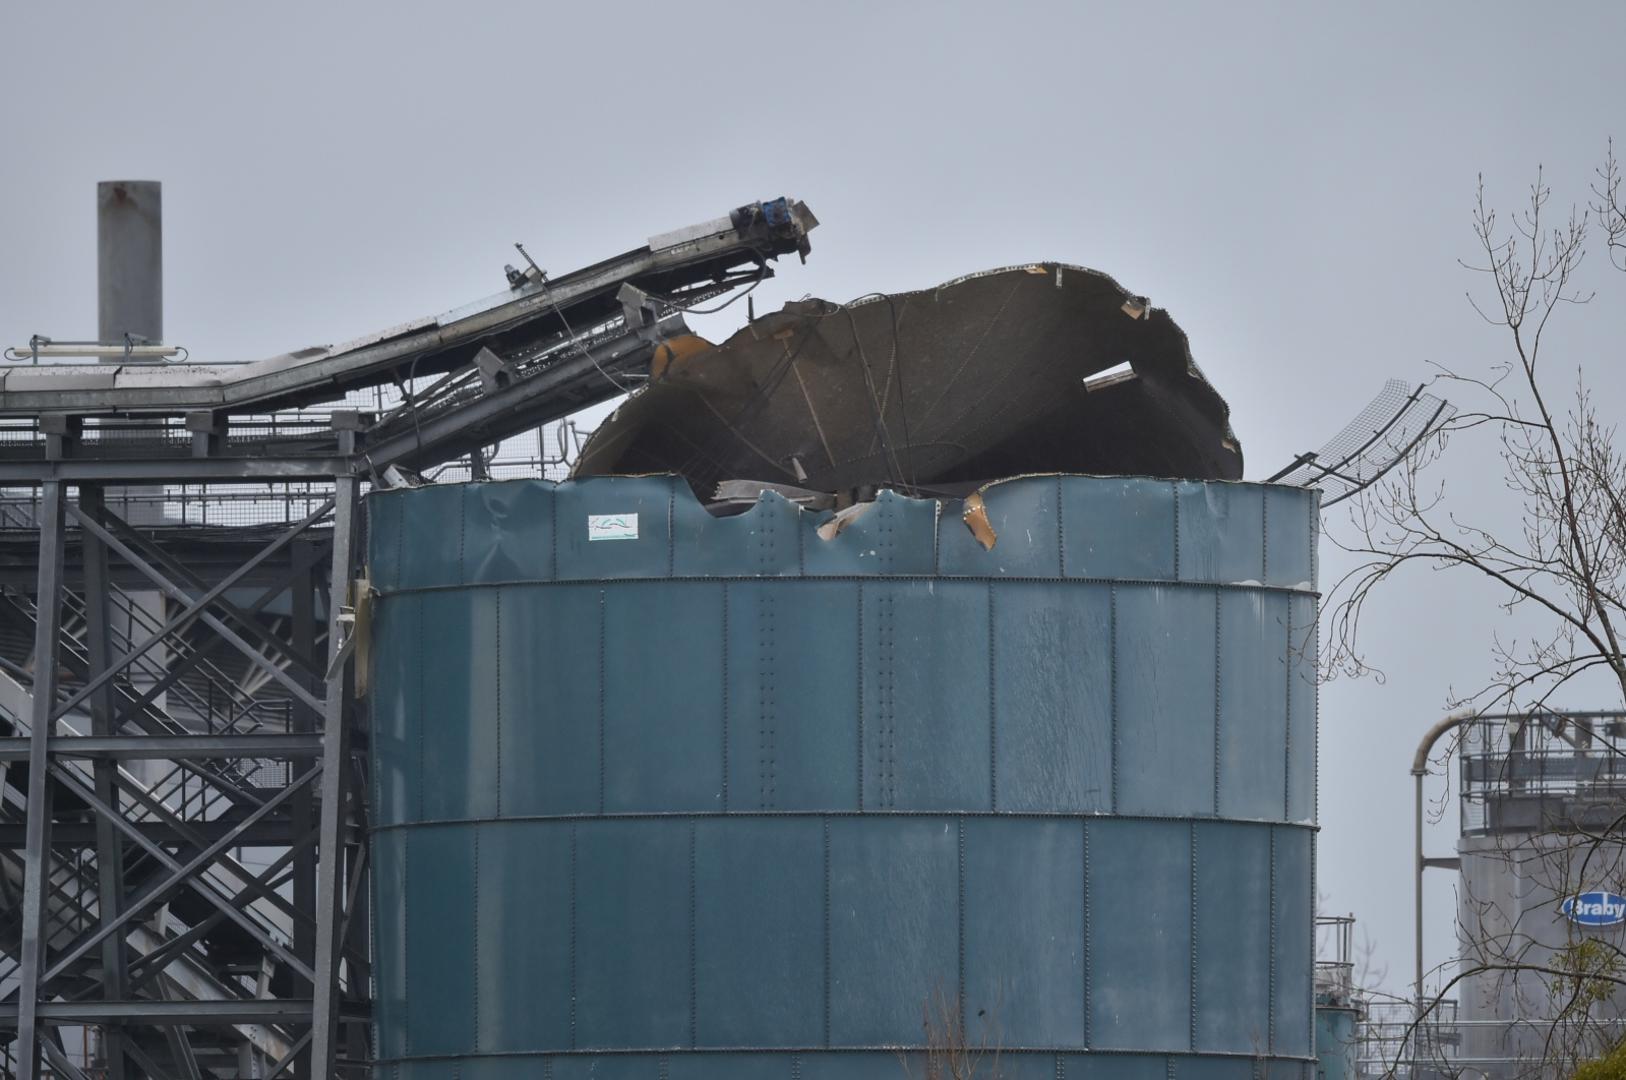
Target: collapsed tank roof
[(1046, 367)]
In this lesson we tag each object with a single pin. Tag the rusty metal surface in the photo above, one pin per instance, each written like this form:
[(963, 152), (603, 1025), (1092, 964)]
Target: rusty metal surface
[(997, 374)]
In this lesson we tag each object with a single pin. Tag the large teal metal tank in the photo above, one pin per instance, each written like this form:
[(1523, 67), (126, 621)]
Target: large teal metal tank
[(666, 796)]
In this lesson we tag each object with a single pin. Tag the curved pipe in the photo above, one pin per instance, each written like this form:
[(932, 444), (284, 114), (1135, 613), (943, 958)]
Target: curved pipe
[(1419, 769)]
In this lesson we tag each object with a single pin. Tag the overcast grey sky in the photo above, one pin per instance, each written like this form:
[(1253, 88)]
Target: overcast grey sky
[(1291, 181)]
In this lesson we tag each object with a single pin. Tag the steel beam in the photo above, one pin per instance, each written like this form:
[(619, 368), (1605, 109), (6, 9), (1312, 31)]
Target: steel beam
[(302, 609), (103, 724), (37, 848), (166, 747), (171, 470), (335, 770), (161, 1013)]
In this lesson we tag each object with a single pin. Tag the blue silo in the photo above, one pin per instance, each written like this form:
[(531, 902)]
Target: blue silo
[(662, 795)]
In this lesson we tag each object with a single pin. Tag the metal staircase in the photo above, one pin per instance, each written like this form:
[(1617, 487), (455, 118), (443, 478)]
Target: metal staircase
[(186, 949)]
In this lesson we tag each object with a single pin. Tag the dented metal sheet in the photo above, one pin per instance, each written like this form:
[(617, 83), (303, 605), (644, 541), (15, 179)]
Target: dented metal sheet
[(1038, 368)]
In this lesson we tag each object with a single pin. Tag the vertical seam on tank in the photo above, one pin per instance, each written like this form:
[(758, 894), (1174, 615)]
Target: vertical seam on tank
[(1174, 496), (1219, 599), (1287, 728), (1085, 949), (663, 1067), (671, 525), (1314, 729), (417, 701), (826, 822), (796, 1067), (498, 686), (400, 540), (862, 748), (573, 935), (1311, 972), (694, 973), (1270, 982), (993, 711), (937, 537), (1192, 914), (1061, 535), (960, 873), (1112, 691), (406, 943), (885, 677), (1061, 1068), (1168, 1066), (547, 1068), (462, 530), (1264, 537), (726, 695), (474, 953), (603, 619), (553, 542)]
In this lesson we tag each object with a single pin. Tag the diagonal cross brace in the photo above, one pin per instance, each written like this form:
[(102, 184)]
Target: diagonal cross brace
[(179, 871), (195, 608), (175, 592)]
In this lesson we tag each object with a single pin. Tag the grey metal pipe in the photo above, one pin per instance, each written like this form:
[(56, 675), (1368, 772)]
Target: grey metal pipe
[(129, 260), (1419, 769)]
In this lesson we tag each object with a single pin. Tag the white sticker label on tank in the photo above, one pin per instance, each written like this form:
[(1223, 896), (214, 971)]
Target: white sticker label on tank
[(612, 526)]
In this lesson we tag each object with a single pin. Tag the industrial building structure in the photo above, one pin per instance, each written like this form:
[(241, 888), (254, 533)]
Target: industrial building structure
[(843, 744)]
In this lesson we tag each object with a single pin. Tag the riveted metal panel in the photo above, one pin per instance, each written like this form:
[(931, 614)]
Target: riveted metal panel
[(632, 983), (792, 716), (663, 696), (759, 932), (1052, 693), (1221, 532), (765, 541), (395, 784), (546, 668), (733, 786), (1140, 935), (646, 502), (1114, 1067), (729, 1067), (424, 544), (1165, 657), (926, 710), (1290, 537), (1294, 950), (509, 528), (1024, 948), (1302, 708), (390, 943), (1025, 517), (456, 628), (1252, 704), (894, 536), (1233, 956), (439, 933), (894, 925), (1118, 527), (523, 935)]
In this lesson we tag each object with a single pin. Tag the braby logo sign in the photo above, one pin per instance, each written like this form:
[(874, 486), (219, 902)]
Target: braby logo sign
[(1596, 908)]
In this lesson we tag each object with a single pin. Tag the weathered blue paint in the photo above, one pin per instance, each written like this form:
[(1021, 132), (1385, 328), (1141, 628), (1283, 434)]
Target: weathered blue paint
[(731, 800)]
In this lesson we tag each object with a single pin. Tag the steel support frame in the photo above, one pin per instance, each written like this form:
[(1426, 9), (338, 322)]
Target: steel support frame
[(336, 846)]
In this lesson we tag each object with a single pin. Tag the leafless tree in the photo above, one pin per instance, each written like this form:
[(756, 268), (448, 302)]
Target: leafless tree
[(1555, 557)]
